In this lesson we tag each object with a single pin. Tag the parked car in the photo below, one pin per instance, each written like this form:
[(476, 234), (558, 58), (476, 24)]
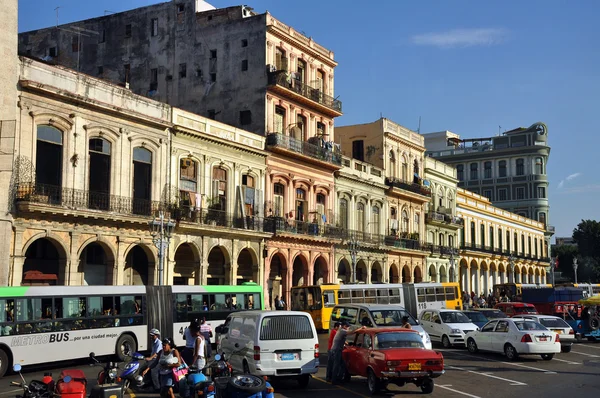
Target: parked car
[(556, 324), (376, 315), (514, 337), (476, 317), (391, 355), (491, 313), (271, 343), (448, 327), (514, 308)]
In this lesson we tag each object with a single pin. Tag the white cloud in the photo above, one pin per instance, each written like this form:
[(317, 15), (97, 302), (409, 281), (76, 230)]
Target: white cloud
[(570, 177), (461, 38)]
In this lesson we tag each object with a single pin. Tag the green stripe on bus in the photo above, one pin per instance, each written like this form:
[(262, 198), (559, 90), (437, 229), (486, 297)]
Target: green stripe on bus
[(13, 291), (233, 289)]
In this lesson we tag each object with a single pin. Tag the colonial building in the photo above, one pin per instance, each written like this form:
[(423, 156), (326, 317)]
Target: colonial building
[(498, 246), (94, 163), (442, 225), (399, 152), (509, 169), (361, 204)]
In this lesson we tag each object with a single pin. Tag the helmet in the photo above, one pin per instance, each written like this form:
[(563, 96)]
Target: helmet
[(139, 380), (154, 332)]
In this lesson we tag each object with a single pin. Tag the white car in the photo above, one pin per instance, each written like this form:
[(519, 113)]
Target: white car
[(556, 324), (448, 327), (514, 337)]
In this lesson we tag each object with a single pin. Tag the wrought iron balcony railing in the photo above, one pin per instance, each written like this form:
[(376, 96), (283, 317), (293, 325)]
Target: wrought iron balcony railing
[(325, 153), (502, 252), (408, 186), (278, 225), (283, 79)]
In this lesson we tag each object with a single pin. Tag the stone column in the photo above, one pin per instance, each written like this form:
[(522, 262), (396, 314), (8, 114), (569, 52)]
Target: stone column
[(234, 262)]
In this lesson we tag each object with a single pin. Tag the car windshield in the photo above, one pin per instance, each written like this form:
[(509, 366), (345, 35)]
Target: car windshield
[(454, 317), (476, 316), (554, 323), (391, 317), (387, 340), (525, 310), (529, 325), (494, 314)]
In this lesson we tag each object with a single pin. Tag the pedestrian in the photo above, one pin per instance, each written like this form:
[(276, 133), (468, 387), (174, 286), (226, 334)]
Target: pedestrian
[(405, 323), (339, 342), (277, 303), (190, 340), (336, 326), (154, 354), (207, 333), (168, 360), (199, 358)]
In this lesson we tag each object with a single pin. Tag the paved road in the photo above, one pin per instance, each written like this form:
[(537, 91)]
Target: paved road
[(467, 375)]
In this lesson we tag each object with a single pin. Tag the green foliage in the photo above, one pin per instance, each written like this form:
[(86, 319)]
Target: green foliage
[(587, 236), (587, 252)]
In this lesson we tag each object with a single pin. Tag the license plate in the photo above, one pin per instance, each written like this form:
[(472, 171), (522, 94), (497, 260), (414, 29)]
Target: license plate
[(543, 338), (288, 357), (414, 366), (557, 331)]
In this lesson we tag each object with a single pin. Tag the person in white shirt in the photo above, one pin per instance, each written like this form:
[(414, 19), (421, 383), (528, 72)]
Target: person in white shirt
[(199, 359)]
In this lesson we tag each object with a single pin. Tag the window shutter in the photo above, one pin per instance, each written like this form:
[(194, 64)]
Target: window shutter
[(278, 206), (215, 190)]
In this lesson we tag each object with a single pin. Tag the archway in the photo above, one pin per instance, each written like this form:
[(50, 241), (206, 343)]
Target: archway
[(537, 276), (432, 273), (137, 267), (406, 277), (277, 283), (418, 274), (44, 263), (320, 271), (217, 274), (376, 273), (493, 277), (344, 271), (246, 271), (474, 268), (443, 276), (517, 273), (531, 275), (186, 264), (96, 263), (464, 276), (501, 273), (299, 271), (483, 278), (361, 271), (394, 274)]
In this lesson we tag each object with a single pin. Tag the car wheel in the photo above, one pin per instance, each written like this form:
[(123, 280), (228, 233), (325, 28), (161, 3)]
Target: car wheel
[(446, 342), (303, 381), (565, 348), (373, 382), (472, 346), (547, 357), (510, 352), (427, 386)]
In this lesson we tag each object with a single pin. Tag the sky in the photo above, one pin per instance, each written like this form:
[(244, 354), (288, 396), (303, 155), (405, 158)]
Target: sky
[(472, 67)]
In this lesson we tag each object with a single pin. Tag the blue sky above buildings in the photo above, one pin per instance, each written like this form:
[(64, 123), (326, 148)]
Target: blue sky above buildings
[(471, 67)]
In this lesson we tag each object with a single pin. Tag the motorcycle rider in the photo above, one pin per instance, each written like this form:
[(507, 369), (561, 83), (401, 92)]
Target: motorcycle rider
[(157, 348)]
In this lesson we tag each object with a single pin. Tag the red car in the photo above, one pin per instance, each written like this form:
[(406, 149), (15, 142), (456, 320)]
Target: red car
[(391, 355)]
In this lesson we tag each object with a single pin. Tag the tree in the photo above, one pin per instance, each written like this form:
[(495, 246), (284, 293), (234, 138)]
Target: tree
[(565, 255), (587, 237)]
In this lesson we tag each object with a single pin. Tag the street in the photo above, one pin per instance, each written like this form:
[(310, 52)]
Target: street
[(467, 375)]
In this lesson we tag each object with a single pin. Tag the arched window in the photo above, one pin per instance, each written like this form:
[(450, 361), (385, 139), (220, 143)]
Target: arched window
[(404, 221), (508, 241), (416, 168), (536, 247), (360, 217), (482, 237), (219, 188), (99, 173), (491, 237), (450, 202), (539, 166), (516, 242), (417, 222), (404, 168), (393, 167), (301, 205), (278, 202), (441, 239), (523, 244), (500, 239), (473, 241), (375, 223), (520, 167), (451, 241), (142, 180), (393, 221), (529, 251), (344, 213), (440, 195), (49, 157)]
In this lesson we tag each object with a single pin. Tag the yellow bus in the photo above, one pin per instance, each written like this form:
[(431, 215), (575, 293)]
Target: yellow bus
[(319, 300)]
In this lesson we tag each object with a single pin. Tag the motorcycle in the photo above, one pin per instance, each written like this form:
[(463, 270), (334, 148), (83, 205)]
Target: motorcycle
[(197, 382), (131, 374), (71, 383), (107, 377), (35, 389), (228, 385)]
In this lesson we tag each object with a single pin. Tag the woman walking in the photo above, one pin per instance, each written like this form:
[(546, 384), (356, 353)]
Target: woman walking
[(168, 360)]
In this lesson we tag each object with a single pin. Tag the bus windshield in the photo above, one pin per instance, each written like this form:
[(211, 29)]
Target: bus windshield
[(306, 298), (391, 317)]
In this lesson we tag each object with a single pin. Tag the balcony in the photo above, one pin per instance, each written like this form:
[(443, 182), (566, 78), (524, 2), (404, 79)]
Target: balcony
[(496, 251), (437, 250), (434, 217), (408, 186), (371, 239), (281, 225), (302, 92), (550, 229), (326, 153)]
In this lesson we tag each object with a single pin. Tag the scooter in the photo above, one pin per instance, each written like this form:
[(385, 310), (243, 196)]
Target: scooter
[(108, 375), (35, 389), (131, 374), (195, 381)]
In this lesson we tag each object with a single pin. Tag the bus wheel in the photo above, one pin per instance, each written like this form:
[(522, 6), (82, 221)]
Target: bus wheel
[(3, 363), (125, 346)]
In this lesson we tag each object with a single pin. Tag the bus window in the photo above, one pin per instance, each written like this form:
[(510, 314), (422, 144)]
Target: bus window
[(199, 302), (131, 307), (314, 301), (439, 294), (181, 307), (7, 317), (344, 297), (430, 294), (252, 301), (421, 295), (100, 306), (382, 296), (357, 296), (450, 293), (217, 302), (371, 296), (298, 299), (329, 298), (394, 296)]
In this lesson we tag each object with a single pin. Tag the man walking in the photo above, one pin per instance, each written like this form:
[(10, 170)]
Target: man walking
[(339, 342), (332, 334), (154, 354)]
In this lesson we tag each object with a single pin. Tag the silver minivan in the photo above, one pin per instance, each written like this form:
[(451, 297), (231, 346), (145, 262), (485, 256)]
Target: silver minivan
[(271, 343), (376, 315)]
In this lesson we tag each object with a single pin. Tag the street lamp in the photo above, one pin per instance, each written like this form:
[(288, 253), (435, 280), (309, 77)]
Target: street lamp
[(511, 261), (353, 247), (161, 235), (553, 263), (452, 261), (575, 268)]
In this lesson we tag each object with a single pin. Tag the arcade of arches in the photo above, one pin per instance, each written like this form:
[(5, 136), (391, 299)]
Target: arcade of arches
[(479, 276), (378, 271)]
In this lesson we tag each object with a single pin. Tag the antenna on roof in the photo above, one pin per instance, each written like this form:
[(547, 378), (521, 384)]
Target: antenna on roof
[(499, 128), (56, 9), (419, 129)]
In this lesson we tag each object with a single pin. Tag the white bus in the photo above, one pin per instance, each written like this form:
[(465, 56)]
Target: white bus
[(42, 324)]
